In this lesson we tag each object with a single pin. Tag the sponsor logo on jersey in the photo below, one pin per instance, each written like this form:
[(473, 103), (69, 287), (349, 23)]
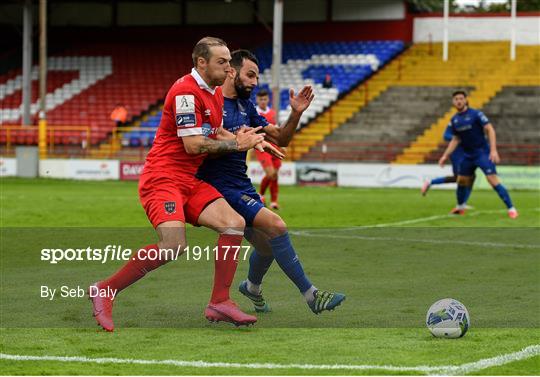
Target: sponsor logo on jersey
[(185, 120), (185, 104), (207, 130), (464, 127), (207, 112), (248, 200)]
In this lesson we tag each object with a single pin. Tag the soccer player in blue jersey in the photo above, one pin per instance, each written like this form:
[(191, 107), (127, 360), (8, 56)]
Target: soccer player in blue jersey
[(456, 157), (267, 232), (469, 129)]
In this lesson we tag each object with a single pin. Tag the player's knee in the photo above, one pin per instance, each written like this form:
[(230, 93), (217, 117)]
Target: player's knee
[(170, 250), (276, 227), (493, 180), (235, 222), (464, 180)]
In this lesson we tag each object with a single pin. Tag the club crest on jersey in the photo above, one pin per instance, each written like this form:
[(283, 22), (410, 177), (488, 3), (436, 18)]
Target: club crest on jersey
[(170, 207), (207, 112), (185, 104)]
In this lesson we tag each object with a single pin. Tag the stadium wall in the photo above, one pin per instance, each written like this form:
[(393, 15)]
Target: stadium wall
[(208, 12), (320, 174), (478, 28)]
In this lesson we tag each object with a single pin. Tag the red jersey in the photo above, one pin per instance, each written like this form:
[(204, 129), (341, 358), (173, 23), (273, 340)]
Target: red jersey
[(269, 114), (191, 108)]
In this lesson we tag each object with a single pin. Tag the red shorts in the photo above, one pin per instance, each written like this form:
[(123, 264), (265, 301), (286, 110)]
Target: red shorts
[(267, 159), (175, 198)]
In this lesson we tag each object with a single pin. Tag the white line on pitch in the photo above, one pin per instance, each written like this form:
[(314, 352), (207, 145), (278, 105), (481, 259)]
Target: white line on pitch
[(525, 353), (205, 364), (496, 361), (417, 240), (425, 219)]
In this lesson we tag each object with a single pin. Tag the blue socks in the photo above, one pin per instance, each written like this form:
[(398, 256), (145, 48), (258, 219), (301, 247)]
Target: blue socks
[(288, 261), (258, 265), (462, 194), (503, 194), (468, 190), (438, 181)]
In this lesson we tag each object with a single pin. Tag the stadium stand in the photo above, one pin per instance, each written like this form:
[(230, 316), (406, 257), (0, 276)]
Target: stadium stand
[(84, 86), (348, 63), (387, 103), (389, 123), (419, 67)]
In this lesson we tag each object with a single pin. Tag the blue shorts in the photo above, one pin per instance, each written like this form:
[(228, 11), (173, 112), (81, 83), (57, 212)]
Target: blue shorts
[(479, 160), (244, 200), (456, 157)]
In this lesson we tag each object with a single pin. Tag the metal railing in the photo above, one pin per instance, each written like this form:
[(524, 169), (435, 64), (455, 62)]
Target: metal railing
[(11, 135), (524, 154)]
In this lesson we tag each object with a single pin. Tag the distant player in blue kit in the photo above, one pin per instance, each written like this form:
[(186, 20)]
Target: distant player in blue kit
[(265, 230), (456, 157), (469, 129)]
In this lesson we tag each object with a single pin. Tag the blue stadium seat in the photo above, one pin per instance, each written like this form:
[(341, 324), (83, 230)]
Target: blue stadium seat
[(348, 63)]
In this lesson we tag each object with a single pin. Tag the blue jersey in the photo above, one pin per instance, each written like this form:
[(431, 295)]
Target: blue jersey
[(230, 169), (469, 127), (448, 134)]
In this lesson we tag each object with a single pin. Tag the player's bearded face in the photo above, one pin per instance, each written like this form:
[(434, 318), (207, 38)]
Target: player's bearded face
[(246, 79), (242, 91)]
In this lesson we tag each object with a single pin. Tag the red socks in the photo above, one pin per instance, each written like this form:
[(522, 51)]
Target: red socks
[(264, 185), (274, 189), (133, 270), (225, 265), (226, 262)]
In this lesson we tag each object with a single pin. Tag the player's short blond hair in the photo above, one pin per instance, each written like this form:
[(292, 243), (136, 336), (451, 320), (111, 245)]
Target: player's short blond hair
[(202, 48)]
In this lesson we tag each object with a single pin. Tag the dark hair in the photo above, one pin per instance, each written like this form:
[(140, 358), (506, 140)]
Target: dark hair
[(202, 48), (263, 93), (457, 92), (238, 57)]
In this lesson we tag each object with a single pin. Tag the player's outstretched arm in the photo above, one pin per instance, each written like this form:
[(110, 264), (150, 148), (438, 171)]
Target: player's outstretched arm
[(299, 103), (492, 138), (244, 140), (449, 149)]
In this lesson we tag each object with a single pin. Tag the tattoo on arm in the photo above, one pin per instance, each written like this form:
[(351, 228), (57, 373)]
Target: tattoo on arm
[(218, 146)]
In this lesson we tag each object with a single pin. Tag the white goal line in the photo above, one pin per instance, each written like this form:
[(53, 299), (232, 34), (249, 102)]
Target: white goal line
[(525, 353)]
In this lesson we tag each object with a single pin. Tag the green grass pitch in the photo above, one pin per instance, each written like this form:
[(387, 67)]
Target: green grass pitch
[(391, 251)]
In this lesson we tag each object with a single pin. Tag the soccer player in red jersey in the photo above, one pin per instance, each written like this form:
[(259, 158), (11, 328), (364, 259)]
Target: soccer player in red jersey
[(190, 129), (270, 164)]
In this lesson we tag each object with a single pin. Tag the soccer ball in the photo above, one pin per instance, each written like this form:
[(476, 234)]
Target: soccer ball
[(448, 318)]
